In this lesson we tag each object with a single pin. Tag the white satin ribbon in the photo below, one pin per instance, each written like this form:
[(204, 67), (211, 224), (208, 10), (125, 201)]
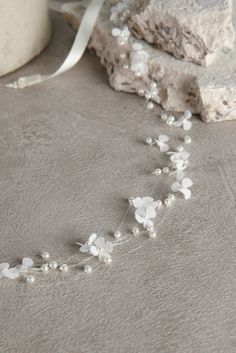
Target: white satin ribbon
[(77, 50)]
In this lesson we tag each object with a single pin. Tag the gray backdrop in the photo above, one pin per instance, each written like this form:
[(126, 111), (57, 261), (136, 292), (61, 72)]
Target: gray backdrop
[(71, 152)]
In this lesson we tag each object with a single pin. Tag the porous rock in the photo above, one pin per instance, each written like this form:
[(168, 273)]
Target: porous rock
[(192, 30), (210, 92)]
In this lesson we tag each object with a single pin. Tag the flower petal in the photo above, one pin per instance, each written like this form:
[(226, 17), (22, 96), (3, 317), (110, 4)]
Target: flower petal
[(163, 138), (187, 114), (12, 273), (175, 187), (187, 183), (187, 193), (109, 247), (151, 212), (100, 242), (84, 248), (184, 155), (147, 201), (103, 256), (116, 32), (147, 223), (139, 219), (187, 125), (141, 211), (179, 175), (4, 266), (164, 147), (137, 46), (138, 202), (92, 238), (27, 262), (94, 250)]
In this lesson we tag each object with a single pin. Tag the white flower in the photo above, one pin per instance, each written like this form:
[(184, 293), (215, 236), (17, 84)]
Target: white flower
[(7, 272), (116, 11), (97, 246), (183, 187), (139, 59), (145, 210), (184, 121), (161, 143), (121, 34)]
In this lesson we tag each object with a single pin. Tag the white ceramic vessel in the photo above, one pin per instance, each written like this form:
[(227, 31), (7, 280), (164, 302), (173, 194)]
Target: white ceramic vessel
[(24, 31)]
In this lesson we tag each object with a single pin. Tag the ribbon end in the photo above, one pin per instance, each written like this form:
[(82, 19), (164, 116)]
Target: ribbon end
[(26, 81)]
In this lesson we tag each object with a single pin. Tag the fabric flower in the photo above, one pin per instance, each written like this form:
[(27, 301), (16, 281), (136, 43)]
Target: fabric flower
[(5, 271), (145, 210), (121, 34), (139, 59), (97, 246), (184, 121), (183, 187), (161, 143)]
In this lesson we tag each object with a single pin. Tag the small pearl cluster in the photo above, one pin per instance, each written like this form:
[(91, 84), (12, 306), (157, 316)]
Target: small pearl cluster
[(52, 265), (163, 171)]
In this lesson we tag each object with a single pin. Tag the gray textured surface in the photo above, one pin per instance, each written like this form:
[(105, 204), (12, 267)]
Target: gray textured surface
[(71, 151)]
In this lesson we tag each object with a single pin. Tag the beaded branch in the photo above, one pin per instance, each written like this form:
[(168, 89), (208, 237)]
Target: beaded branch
[(145, 209)]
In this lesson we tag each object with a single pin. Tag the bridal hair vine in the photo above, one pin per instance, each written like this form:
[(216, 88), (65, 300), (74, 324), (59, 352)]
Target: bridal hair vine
[(145, 209)]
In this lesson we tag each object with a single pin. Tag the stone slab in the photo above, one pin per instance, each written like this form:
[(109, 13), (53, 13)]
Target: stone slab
[(191, 30), (210, 92)]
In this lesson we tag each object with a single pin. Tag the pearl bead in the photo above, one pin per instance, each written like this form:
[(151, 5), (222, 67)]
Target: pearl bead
[(148, 95), (126, 66), (122, 55), (149, 140), (152, 234), (153, 85), (165, 170), (159, 203), (157, 172), (30, 279), (167, 202), (64, 268), (53, 265), (171, 197), (150, 229), (131, 200), (150, 106), (187, 139), (135, 230), (180, 148), (88, 269), (45, 255), (141, 92), (121, 41), (138, 74), (170, 120), (45, 268), (164, 117), (117, 234), (108, 261)]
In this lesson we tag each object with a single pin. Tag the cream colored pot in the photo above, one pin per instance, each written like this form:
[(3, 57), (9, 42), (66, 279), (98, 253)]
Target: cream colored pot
[(24, 31)]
